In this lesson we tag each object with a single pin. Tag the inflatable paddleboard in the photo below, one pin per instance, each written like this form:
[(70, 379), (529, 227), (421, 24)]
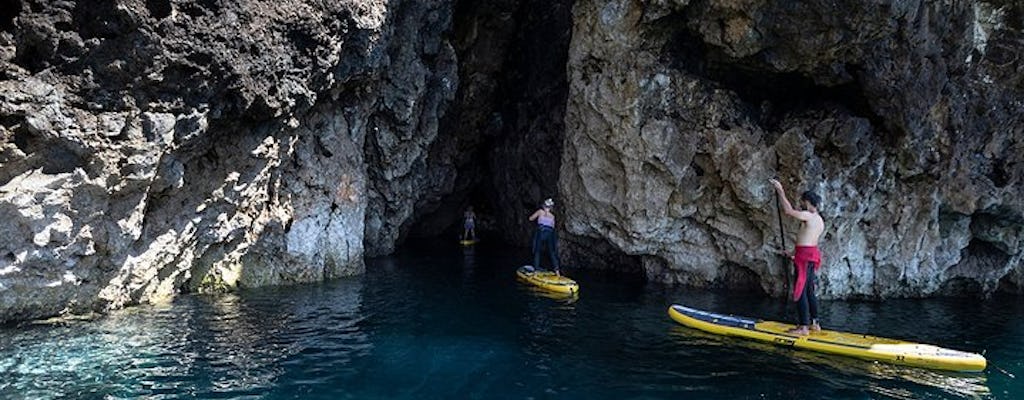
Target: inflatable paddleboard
[(839, 343), (467, 242), (547, 280)]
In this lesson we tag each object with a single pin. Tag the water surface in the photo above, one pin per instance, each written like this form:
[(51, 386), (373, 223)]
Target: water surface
[(443, 322)]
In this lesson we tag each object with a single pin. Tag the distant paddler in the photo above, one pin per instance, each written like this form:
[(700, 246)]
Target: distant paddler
[(469, 225)]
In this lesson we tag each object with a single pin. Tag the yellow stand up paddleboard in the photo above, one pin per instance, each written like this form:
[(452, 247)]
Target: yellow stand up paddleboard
[(547, 280), (840, 343), (467, 242)]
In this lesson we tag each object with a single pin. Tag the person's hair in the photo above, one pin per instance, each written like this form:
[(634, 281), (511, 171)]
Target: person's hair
[(812, 198)]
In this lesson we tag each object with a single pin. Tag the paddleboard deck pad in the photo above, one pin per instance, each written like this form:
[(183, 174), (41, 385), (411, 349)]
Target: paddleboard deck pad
[(831, 342)]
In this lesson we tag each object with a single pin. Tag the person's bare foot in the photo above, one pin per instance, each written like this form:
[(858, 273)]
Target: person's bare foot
[(799, 331)]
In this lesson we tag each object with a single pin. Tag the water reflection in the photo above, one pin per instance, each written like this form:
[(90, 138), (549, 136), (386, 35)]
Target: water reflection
[(566, 299), (550, 320), (227, 347), (468, 264), (458, 324)]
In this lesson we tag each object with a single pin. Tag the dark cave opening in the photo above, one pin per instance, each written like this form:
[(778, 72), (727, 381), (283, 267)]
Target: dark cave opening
[(771, 95), (979, 258), (507, 116)]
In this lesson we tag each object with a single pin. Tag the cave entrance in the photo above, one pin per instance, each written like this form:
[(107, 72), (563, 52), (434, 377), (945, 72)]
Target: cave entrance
[(508, 116)]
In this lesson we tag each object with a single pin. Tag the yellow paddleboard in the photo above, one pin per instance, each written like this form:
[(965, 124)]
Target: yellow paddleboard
[(547, 280), (840, 343), (467, 242)]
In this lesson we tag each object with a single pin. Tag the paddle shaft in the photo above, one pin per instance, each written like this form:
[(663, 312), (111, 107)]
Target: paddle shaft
[(782, 238)]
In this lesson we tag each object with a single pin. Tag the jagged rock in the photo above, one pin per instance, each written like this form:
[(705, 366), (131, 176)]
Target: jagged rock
[(154, 147), (680, 111), (416, 89), (148, 148)]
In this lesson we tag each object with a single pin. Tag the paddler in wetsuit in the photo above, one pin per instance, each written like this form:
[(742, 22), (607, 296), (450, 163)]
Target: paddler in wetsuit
[(806, 257), (545, 234)]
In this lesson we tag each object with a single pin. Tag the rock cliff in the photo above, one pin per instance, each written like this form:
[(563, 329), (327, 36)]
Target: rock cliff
[(150, 147), (906, 116)]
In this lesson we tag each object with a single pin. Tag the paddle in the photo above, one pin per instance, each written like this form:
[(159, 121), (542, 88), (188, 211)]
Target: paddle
[(782, 238)]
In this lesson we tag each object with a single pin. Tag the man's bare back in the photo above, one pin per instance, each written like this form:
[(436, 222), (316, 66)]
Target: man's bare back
[(810, 229), (811, 225)]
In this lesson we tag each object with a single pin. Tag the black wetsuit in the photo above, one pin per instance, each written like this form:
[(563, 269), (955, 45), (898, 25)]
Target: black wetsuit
[(545, 236), (807, 304)]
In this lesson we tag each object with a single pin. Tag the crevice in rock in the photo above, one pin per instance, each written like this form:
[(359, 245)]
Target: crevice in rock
[(9, 10), (52, 158), (948, 221), (200, 8), (323, 149), (996, 227), (59, 160), (770, 95), (32, 56), (24, 141), (961, 287), (594, 253), (1010, 284), (159, 9), (998, 175), (99, 20), (978, 259), (739, 278)]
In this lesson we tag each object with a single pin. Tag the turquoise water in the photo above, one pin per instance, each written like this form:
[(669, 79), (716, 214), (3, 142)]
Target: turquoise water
[(440, 323)]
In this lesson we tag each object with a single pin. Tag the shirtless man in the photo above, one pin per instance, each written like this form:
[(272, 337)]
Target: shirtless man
[(806, 257)]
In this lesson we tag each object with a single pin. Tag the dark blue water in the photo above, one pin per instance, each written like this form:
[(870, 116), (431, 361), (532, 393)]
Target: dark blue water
[(448, 324)]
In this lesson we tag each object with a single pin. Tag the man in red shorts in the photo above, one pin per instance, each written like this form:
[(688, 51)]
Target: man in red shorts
[(806, 257)]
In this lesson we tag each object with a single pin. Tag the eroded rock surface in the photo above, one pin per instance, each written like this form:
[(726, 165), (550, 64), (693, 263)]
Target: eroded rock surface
[(905, 115), (159, 146), (151, 147)]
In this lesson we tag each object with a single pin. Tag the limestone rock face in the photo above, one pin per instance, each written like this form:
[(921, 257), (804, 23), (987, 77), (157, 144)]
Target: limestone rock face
[(153, 147), (415, 91), (906, 116), (148, 148)]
